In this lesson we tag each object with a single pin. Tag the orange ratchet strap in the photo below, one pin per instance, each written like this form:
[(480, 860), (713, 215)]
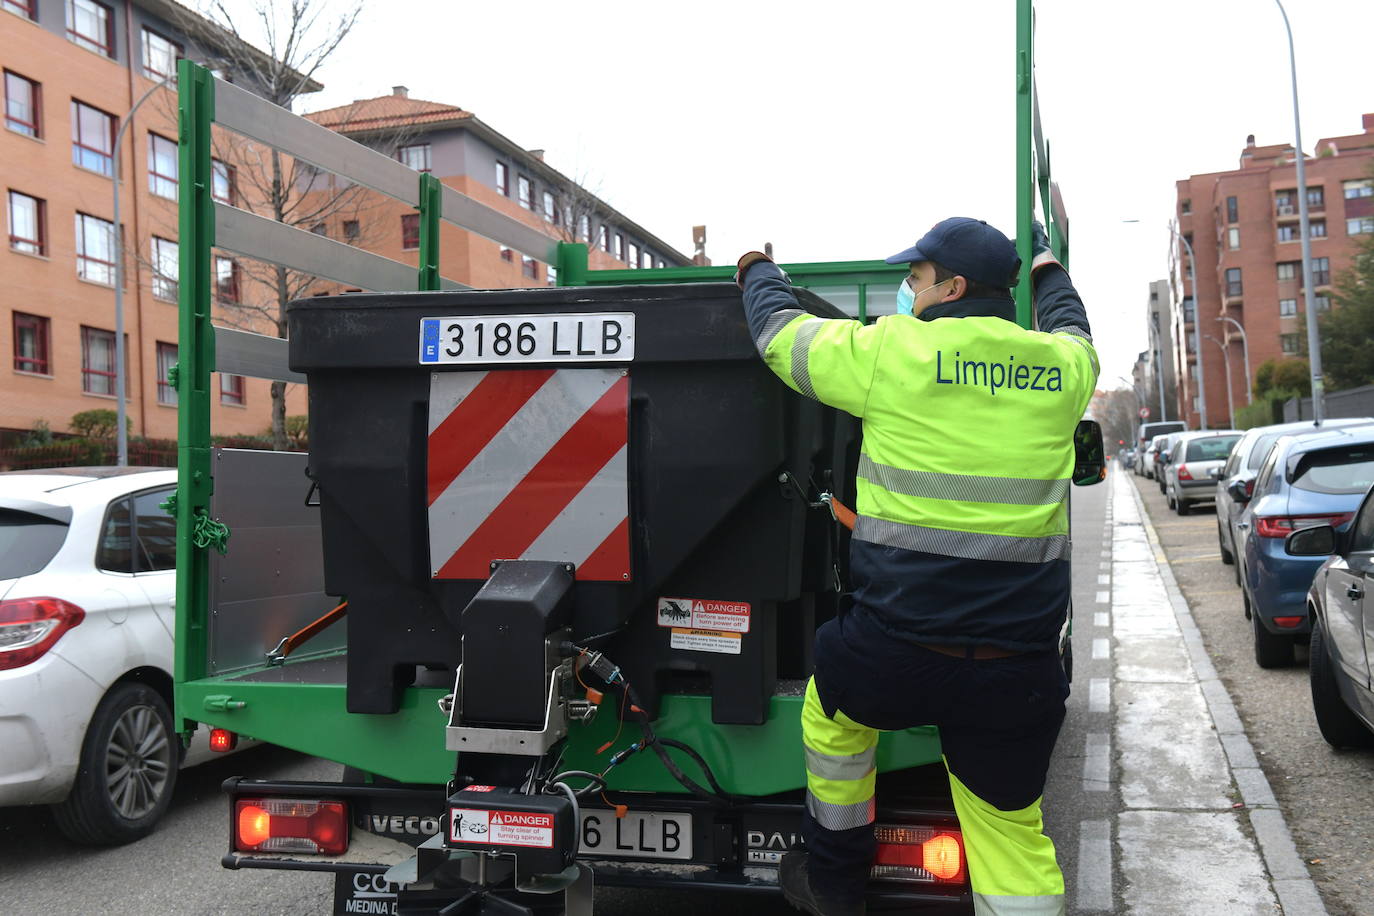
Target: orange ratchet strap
[(290, 643)]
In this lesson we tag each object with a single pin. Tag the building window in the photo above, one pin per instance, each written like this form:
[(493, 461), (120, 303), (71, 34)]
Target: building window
[(1321, 303), (162, 166), (1232, 214), (416, 156), (95, 249), (93, 135), (23, 8), (226, 279), (660, 264), (550, 207), (633, 258), (166, 359), (166, 268), (502, 179), (1233, 238), (1288, 308), (32, 347), (1185, 207), (1289, 232), (91, 25), (97, 361), (619, 247), (1288, 270), (1283, 202), (1360, 225), (28, 223), (351, 230), (551, 273), (160, 55), (1360, 187), (603, 239), (1316, 198), (1288, 343), (231, 390), (1233, 287), (410, 231), (1321, 271), (22, 105), (1189, 310), (529, 267), (646, 260), (526, 192), (1317, 227), (507, 255), (584, 228), (223, 180), (319, 229)]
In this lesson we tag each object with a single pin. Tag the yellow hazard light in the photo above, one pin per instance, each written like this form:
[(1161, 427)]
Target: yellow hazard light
[(942, 857)]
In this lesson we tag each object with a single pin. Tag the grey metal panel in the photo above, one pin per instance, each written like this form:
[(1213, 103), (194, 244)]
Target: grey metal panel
[(277, 243), (241, 111), (270, 583), (253, 355), (446, 283), (467, 213)]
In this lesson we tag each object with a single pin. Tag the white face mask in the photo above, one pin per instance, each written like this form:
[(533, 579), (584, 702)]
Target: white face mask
[(906, 299)]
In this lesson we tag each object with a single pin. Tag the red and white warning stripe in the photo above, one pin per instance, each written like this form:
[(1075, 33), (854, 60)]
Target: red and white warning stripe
[(529, 464)]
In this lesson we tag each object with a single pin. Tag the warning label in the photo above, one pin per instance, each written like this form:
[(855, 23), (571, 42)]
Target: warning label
[(706, 641), (702, 614), (500, 828)]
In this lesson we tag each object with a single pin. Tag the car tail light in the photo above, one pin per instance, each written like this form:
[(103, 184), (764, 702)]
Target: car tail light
[(291, 825), (1280, 526), (1184, 473), (1288, 622), (919, 854), (222, 740), (30, 627)]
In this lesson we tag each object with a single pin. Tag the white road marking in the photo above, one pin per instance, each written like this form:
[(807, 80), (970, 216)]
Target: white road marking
[(1094, 884), (1102, 648), (1104, 597), (1097, 762), (1104, 580), (1099, 694), (1102, 619)]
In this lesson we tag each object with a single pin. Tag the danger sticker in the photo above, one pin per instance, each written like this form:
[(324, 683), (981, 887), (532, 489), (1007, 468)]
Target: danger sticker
[(706, 641), (702, 614), (500, 828)]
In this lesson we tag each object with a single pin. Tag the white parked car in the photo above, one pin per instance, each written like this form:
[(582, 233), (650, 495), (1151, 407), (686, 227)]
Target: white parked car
[(87, 581)]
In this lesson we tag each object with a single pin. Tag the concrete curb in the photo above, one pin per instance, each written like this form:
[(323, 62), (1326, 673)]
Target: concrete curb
[(1294, 887)]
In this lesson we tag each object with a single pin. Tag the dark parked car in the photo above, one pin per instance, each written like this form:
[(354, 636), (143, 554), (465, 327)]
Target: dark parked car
[(1307, 480), (1244, 464), (1341, 607), (1193, 465)]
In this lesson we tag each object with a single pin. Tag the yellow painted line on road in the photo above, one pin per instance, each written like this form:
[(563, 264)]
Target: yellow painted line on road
[(1202, 559)]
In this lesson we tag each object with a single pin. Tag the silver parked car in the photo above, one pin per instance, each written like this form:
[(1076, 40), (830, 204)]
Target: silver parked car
[(1194, 463)]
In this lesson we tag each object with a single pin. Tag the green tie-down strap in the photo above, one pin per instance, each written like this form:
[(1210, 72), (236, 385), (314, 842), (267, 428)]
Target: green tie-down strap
[(169, 505), (210, 533)]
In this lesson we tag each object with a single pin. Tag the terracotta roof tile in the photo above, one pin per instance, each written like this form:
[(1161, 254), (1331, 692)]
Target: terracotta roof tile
[(386, 111)]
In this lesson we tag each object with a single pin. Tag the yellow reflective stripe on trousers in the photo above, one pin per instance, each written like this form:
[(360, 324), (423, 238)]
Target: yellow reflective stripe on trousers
[(970, 545), (840, 766), (1016, 491), (1011, 862)]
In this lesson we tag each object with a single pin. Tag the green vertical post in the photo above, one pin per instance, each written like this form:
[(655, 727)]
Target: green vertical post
[(863, 303), (572, 264), (1025, 157), (431, 207), (195, 361)]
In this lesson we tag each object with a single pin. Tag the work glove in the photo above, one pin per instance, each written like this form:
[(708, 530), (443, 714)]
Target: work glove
[(746, 261), (1040, 248)]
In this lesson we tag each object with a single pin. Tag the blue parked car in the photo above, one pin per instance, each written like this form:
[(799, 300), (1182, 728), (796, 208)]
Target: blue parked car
[(1316, 478)]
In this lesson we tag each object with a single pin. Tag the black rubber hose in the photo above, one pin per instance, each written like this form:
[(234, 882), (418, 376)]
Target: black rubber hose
[(652, 740)]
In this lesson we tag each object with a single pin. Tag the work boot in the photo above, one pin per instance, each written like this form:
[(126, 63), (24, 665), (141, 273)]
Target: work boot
[(797, 888)]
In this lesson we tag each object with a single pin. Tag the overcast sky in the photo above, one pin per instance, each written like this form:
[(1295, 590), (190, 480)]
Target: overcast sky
[(843, 131)]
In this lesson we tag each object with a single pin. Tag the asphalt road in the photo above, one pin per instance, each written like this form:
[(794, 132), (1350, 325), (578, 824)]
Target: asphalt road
[(1327, 795)]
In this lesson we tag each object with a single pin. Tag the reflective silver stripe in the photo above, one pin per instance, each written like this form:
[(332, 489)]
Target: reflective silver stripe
[(1083, 339), (801, 347), (775, 323), (840, 817), (1075, 330), (1006, 905), (967, 544), (1013, 491), (842, 767)]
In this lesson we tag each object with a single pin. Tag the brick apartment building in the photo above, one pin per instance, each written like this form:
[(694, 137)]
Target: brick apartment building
[(72, 70), (1243, 226)]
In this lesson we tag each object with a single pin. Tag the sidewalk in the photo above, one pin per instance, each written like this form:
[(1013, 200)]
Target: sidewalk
[(1201, 832)]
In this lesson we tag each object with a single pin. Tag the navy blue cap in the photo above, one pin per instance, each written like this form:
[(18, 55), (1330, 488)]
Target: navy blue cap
[(970, 248)]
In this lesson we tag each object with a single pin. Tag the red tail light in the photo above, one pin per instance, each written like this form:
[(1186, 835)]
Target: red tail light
[(29, 627), (222, 740), (1280, 526), (1288, 622), (291, 825), (1184, 473), (919, 854)]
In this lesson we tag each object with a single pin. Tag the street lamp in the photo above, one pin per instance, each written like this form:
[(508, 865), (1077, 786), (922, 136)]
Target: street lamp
[(1226, 355), (1314, 348), (1245, 349), (121, 370), (1201, 376)]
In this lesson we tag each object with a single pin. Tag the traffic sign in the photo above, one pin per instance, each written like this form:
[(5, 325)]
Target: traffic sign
[(1144, 413)]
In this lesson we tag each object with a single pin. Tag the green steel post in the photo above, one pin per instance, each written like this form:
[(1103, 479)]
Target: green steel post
[(195, 361), (431, 206), (1025, 162), (572, 264), (863, 303)]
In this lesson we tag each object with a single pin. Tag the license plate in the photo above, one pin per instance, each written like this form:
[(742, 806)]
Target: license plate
[(637, 835), (503, 339)]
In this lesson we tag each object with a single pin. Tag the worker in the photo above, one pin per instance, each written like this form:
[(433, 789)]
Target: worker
[(959, 556)]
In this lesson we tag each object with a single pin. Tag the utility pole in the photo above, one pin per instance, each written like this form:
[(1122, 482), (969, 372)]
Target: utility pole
[(1245, 349)]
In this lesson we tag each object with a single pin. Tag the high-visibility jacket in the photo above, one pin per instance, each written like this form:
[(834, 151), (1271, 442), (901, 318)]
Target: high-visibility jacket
[(963, 478)]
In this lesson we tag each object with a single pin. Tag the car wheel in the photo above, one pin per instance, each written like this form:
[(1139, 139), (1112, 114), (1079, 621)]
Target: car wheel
[(128, 768), (1180, 506), (1227, 556), (1270, 651), (1339, 726)]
